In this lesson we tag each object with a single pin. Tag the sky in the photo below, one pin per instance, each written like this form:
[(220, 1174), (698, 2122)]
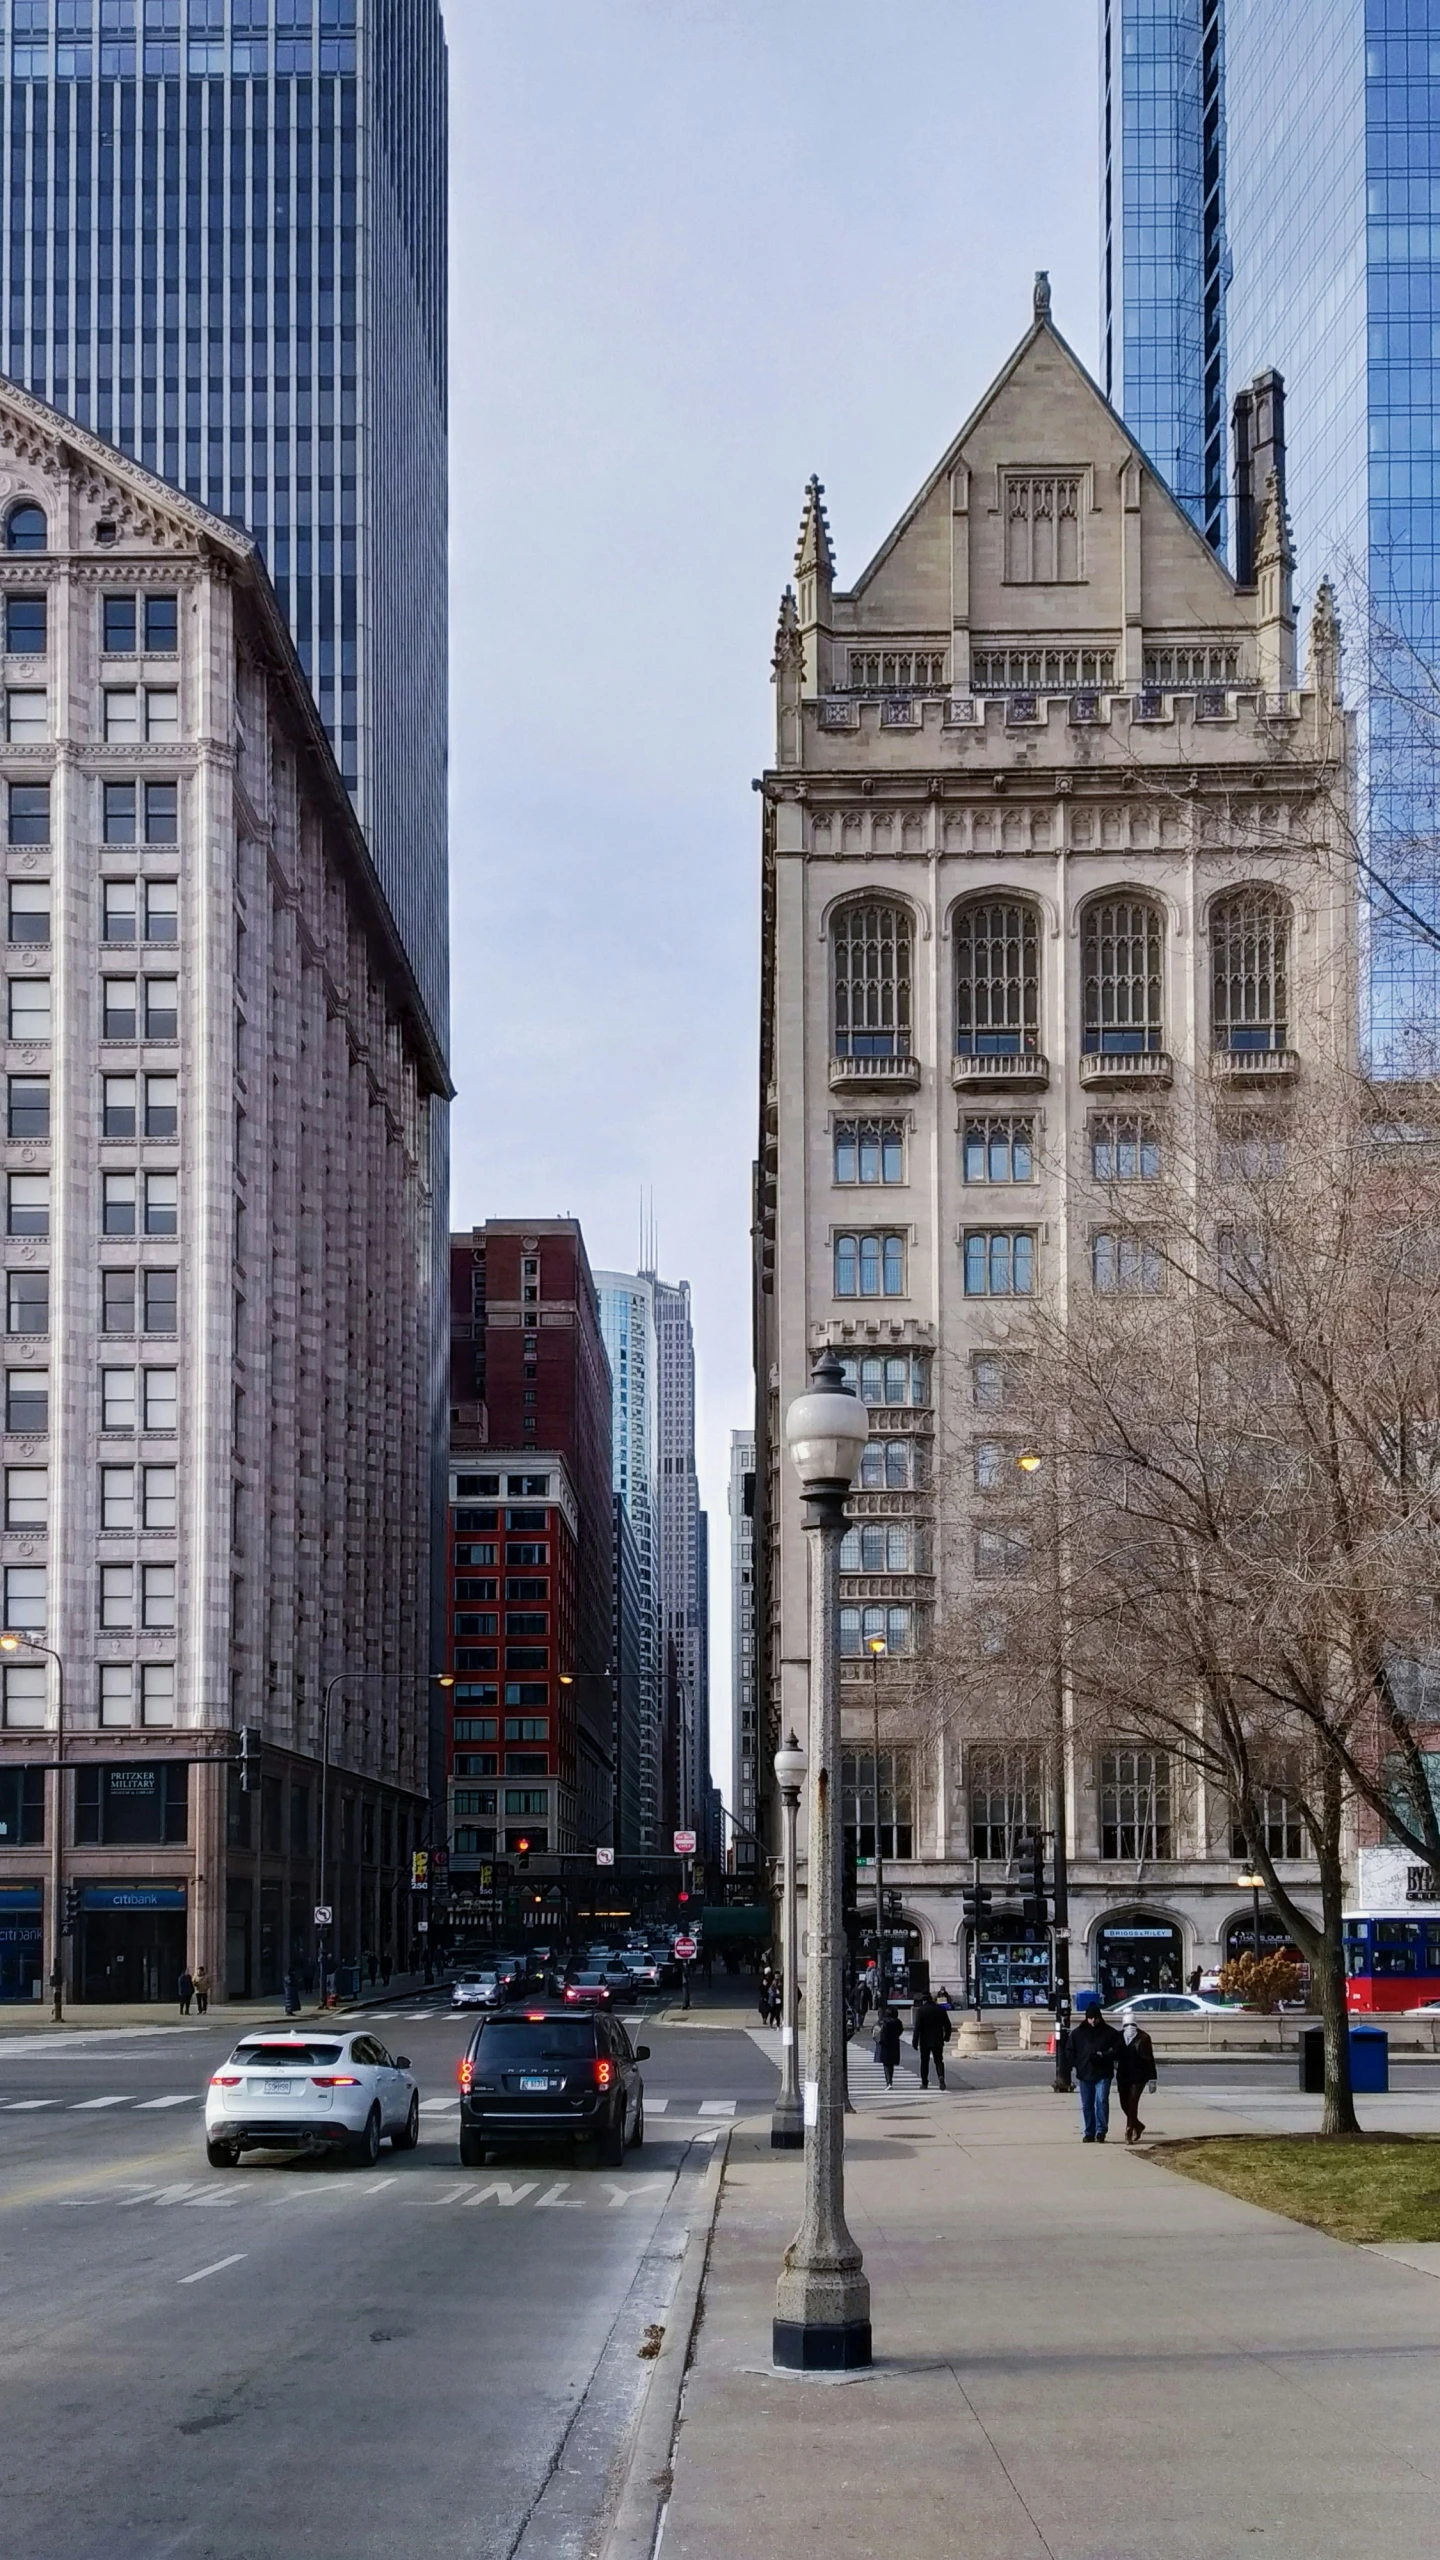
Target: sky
[(699, 249)]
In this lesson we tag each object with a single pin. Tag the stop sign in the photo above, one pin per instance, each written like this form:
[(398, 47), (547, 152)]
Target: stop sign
[(684, 1950)]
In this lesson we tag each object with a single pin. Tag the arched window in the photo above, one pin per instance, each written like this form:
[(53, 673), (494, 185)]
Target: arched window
[(1250, 970), (997, 980), (871, 949), (1124, 955), (25, 528)]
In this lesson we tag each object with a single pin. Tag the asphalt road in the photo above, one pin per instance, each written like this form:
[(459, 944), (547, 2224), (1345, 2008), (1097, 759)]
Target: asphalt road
[(300, 2357)]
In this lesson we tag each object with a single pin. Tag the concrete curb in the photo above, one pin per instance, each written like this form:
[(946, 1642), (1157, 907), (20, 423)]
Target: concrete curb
[(645, 2493)]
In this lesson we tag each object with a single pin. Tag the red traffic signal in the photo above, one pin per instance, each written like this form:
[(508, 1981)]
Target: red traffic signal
[(682, 1897)]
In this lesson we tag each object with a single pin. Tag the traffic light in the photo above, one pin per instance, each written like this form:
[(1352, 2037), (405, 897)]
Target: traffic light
[(249, 1758), (1035, 1910), (682, 1897), (975, 1904), (71, 1921), (522, 1853)]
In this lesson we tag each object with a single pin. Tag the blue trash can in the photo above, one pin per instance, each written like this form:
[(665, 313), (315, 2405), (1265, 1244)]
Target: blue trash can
[(1369, 2061)]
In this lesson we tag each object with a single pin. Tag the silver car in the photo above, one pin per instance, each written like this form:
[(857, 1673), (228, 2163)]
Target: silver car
[(477, 1991)]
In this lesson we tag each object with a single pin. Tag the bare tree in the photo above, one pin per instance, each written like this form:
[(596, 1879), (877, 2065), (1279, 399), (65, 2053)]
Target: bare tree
[(1235, 1553)]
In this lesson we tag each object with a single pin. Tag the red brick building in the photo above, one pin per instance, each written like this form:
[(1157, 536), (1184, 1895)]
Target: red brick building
[(530, 1546)]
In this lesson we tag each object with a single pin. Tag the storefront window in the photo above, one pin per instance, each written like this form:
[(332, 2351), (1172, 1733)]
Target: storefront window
[(135, 1804)]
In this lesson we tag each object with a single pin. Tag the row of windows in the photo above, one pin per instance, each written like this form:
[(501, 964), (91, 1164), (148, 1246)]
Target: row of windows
[(132, 715), (123, 1588), (147, 1399), (132, 812), (997, 1149), (130, 1301), (129, 625), (997, 977), (130, 1106), (517, 1728), (130, 911), (244, 57), (124, 1686), (1001, 1262), (484, 1622), (132, 1204), (520, 1587), (487, 1551), (130, 1008), (130, 1498)]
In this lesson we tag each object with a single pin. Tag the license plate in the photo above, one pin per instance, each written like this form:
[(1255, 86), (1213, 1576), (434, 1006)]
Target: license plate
[(534, 2084), (277, 2088)]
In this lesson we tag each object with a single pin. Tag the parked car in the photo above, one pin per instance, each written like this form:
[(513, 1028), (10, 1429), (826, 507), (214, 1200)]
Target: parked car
[(1172, 2004), (476, 1991), (551, 2076), (315, 2092)]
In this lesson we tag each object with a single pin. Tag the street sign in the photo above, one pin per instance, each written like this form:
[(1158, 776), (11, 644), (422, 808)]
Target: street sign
[(323, 1915), (684, 1844), (684, 1951), (604, 1857)]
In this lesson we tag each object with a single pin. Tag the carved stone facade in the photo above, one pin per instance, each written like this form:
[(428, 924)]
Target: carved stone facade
[(994, 949), (217, 1491)]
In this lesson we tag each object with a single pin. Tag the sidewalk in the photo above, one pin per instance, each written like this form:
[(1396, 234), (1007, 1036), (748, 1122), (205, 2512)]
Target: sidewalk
[(97, 2017), (1079, 2356)]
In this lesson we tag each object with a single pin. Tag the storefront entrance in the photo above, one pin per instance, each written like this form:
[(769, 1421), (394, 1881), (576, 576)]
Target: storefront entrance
[(1275, 1940), (1010, 1966), (131, 1943), (21, 1940), (1136, 1953)]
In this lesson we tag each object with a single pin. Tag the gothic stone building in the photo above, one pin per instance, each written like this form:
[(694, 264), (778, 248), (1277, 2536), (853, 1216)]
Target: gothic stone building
[(217, 1248), (1035, 772)]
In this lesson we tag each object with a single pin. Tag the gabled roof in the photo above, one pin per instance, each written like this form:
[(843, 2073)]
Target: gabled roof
[(1042, 329), (151, 509)]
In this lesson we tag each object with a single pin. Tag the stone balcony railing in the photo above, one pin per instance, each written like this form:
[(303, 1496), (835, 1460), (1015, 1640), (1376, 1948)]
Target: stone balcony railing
[(1118, 1067), (1023, 1073), (874, 1075), (1254, 1066)]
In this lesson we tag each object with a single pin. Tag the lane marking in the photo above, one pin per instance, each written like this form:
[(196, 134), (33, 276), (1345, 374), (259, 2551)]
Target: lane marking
[(86, 2106), (717, 2106), (556, 2199), (452, 2197), (27, 2106), (147, 2106), (438, 2106), (379, 2187), (218, 2269), (502, 2192)]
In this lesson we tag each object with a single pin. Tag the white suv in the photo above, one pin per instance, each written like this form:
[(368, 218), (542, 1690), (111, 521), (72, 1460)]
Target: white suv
[(321, 2091)]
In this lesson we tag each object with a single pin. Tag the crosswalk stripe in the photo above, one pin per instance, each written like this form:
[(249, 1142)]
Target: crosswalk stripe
[(656, 2106), (438, 2106), (148, 2105), (27, 2106), (717, 2106), (83, 2106)]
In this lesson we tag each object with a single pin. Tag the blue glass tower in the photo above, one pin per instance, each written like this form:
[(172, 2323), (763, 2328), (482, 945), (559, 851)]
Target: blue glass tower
[(1323, 232), (223, 247)]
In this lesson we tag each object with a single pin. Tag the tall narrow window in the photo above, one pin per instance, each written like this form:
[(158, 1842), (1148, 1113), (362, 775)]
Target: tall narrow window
[(1249, 970), (1135, 1804), (871, 957), (997, 981), (1124, 978)]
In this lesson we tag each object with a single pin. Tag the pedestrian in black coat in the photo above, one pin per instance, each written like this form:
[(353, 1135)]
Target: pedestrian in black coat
[(930, 2035), (1135, 2071), (887, 2044), (1090, 2051)]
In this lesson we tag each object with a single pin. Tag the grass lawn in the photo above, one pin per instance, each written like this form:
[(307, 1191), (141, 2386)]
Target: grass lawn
[(1378, 2188)]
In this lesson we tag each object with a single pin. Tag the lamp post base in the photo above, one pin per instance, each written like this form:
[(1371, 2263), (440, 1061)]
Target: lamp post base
[(804, 2346), (787, 2127)]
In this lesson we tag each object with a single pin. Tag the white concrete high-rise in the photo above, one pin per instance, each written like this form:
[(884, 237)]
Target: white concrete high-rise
[(627, 1321)]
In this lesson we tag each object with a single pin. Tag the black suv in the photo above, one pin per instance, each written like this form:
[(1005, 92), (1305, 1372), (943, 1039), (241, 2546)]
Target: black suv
[(558, 2074)]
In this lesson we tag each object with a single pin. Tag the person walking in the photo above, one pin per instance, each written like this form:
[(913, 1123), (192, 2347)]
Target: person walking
[(292, 1996), (930, 2034), (202, 1990), (1135, 2071), (372, 1967), (1089, 2051), (887, 2043), (387, 1967), (186, 1989)]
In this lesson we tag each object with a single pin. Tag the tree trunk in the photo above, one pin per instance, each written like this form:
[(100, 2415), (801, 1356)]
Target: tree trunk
[(1339, 2111)]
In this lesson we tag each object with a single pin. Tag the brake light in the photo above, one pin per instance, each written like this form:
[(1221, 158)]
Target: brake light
[(224, 2079), (604, 2074), (465, 2073), (334, 2079)]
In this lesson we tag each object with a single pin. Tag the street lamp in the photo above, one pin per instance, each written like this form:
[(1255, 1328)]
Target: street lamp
[(1252, 1883), (323, 1900), (875, 1646), (1030, 1462), (11, 1642), (787, 2123), (822, 2301)]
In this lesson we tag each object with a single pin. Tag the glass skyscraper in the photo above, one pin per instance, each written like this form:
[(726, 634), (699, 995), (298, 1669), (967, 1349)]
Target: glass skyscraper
[(1271, 175), (223, 247)]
